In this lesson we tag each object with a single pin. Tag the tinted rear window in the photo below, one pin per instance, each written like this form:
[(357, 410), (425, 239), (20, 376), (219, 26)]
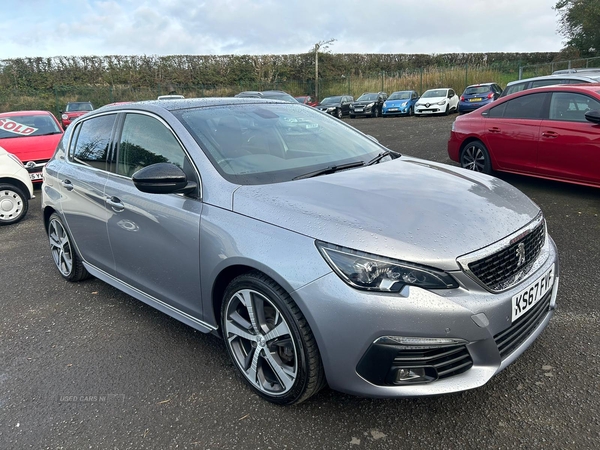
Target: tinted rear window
[(477, 90)]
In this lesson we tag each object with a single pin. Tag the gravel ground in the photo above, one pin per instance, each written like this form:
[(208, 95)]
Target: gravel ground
[(143, 380)]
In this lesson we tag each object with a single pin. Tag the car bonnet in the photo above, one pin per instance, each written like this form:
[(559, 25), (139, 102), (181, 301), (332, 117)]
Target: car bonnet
[(405, 209)]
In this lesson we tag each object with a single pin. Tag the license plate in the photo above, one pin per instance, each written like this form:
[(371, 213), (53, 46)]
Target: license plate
[(358, 109), (36, 176), (478, 99), (527, 298), (393, 109)]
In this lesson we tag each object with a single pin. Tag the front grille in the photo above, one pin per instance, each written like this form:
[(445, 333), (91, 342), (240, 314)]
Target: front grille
[(448, 361), (39, 165), (510, 339), (502, 270)]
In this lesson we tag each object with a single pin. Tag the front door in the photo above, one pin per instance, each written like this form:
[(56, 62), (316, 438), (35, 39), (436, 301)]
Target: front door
[(155, 237)]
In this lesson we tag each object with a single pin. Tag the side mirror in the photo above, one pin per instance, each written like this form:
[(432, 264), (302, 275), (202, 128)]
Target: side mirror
[(593, 116), (162, 178), (373, 138)]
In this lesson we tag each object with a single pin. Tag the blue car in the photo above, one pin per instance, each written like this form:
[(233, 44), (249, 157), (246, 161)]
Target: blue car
[(478, 95), (400, 103)]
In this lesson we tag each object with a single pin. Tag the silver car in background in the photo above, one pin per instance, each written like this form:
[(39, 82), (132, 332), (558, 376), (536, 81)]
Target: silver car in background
[(318, 255)]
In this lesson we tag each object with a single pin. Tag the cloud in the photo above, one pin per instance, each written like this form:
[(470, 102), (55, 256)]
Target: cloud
[(164, 27)]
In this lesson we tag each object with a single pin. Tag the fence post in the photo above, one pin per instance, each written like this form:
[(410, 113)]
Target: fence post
[(110, 94), (56, 107), (520, 72), (569, 64), (421, 88), (466, 74)]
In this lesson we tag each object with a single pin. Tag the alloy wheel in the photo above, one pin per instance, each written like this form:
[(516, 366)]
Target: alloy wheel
[(261, 342), (60, 246), (474, 158)]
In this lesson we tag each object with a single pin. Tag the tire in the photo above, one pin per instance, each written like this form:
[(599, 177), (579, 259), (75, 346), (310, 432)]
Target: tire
[(285, 368), (411, 111), (338, 113), (447, 110), (352, 116), (64, 254), (375, 113), (13, 204), (474, 156)]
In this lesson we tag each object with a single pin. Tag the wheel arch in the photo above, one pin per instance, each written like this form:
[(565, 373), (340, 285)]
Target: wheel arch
[(18, 184), (233, 270), (48, 211)]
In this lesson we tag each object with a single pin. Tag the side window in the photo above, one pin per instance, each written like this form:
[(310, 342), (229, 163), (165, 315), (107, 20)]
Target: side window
[(550, 82), (515, 88), (144, 141), (525, 107), (569, 106), (91, 146), (496, 111)]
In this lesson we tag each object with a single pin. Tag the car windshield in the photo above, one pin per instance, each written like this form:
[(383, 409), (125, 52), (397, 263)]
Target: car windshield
[(405, 95), (435, 93), (477, 90), (85, 106), (29, 125), (331, 100), (270, 143), (367, 97)]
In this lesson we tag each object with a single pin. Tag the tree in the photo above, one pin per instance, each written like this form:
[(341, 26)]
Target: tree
[(580, 24), (321, 45)]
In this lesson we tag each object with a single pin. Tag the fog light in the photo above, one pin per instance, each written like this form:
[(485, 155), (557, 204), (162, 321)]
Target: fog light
[(412, 375)]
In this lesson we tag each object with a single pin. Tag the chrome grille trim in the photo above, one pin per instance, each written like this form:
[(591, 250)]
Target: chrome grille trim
[(469, 261)]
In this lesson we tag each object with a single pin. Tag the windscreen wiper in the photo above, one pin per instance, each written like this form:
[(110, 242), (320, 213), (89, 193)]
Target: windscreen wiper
[(381, 156), (330, 169)]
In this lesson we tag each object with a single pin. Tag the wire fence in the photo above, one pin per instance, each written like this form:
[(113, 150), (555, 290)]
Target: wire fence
[(536, 70)]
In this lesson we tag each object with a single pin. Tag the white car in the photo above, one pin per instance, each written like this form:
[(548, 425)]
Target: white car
[(15, 188), (437, 101)]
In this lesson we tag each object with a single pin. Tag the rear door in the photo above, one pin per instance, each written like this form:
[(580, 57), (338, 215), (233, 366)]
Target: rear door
[(511, 132), (155, 237), (569, 144), (82, 182)]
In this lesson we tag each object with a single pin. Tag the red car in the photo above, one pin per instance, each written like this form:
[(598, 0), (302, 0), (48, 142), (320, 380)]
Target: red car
[(550, 132), (307, 100), (32, 136), (73, 111)]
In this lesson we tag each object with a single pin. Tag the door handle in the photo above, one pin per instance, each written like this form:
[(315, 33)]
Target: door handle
[(115, 203), (549, 134), (494, 130), (67, 184)]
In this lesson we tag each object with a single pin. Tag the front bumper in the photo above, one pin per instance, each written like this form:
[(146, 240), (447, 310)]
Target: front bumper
[(431, 109), (396, 110), (362, 110), (347, 324)]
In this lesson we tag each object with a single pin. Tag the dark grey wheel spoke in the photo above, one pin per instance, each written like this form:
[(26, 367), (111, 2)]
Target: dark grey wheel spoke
[(474, 159), (261, 342)]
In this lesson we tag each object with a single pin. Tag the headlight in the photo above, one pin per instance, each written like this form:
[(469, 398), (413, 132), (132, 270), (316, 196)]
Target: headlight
[(370, 105), (403, 104), (443, 102), (331, 108), (377, 273), (64, 117)]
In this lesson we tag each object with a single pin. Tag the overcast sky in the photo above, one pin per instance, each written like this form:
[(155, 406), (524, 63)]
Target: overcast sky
[(200, 27)]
